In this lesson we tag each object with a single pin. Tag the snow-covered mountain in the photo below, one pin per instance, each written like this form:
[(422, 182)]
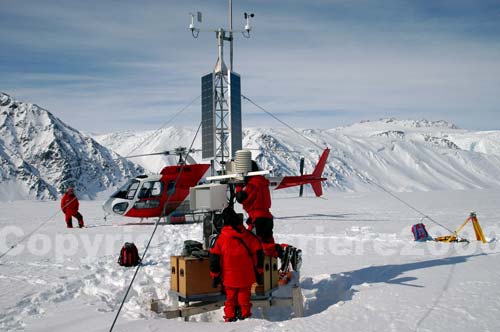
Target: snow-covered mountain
[(401, 155), (40, 156)]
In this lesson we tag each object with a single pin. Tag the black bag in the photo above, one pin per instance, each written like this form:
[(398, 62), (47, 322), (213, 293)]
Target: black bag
[(129, 256), (190, 246)]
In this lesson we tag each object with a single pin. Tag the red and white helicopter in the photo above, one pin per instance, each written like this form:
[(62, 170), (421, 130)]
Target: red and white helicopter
[(159, 195)]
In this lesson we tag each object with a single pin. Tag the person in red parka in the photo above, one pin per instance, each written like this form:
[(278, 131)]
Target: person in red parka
[(236, 259), (256, 200), (69, 206)]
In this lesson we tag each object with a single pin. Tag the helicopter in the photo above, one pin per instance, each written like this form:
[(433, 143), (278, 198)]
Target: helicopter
[(157, 195), (161, 195)]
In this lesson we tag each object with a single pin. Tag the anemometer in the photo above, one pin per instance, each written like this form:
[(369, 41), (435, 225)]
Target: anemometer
[(199, 18)]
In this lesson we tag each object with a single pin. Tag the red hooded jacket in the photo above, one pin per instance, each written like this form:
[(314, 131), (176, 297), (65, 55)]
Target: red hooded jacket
[(257, 198), (232, 259), (69, 204)]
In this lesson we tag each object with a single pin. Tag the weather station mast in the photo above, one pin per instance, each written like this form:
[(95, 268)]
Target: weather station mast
[(221, 127)]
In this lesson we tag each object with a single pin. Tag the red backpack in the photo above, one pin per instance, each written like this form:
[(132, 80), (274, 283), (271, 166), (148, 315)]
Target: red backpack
[(129, 256)]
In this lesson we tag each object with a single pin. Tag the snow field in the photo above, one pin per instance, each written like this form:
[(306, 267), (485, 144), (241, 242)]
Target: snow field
[(362, 270)]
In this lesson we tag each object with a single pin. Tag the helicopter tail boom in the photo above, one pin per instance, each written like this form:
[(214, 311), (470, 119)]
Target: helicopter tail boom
[(313, 179)]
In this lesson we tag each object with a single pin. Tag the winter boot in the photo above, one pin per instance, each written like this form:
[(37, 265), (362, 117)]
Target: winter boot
[(237, 312), (79, 217), (245, 317)]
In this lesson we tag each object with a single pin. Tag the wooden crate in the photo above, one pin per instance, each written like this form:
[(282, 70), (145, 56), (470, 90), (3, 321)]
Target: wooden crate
[(274, 272), (174, 273), (194, 277), (270, 277), (190, 276)]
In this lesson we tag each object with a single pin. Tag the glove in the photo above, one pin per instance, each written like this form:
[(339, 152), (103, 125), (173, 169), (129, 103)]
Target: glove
[(260, 278), (241, 196), (216, 282)]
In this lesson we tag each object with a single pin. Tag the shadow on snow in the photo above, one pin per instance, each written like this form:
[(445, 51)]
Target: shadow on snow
[(338, 287)]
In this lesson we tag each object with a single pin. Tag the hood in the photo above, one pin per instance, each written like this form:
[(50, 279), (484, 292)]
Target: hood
[(231, 232), (259, 179)]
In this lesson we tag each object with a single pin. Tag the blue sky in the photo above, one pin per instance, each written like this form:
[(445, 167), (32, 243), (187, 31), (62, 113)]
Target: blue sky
[(126, 64)]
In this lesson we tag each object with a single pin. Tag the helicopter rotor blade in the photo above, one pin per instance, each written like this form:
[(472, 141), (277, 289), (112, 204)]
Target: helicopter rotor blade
[(165, 153), (149, 154)]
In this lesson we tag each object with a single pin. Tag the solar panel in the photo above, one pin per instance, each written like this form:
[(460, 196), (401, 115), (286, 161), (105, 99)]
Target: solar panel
[(207, 117), (235, 107)]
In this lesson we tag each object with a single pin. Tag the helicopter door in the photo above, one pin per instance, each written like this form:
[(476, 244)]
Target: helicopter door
[(149, 195)]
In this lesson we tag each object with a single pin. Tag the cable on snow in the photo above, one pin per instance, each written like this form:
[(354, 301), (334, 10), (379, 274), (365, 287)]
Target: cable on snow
[(150, 239)]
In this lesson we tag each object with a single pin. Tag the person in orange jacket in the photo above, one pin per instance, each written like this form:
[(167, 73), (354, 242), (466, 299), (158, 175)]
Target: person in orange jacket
[(256, 200), (69, 206), (236, 260)]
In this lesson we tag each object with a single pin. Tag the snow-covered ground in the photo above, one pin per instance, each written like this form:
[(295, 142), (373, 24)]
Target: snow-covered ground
[(362, 271)]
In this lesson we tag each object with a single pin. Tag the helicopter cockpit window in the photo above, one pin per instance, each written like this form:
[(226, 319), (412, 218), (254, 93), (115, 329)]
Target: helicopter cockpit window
[(132, 189), (123, 191), (150, 189)]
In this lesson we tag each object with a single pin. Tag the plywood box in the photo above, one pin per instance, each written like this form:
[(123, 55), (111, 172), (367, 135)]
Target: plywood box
[(190, 276), (174, 273), (274, 272), (270, 277), (194, 277)]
